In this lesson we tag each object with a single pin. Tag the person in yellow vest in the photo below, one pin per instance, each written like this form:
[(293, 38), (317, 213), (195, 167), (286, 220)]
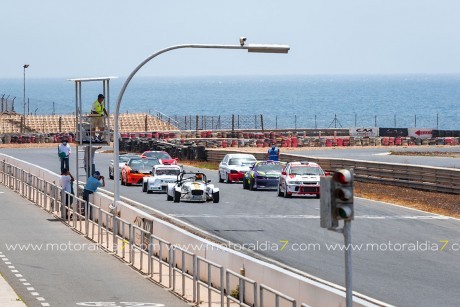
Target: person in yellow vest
[(98, 112)]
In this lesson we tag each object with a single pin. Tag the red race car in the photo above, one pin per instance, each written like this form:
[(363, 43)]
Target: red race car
[(162, 156)]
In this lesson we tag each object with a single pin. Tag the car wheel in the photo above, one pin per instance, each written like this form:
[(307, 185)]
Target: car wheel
[(220, 178), (280, 193), (215, 197), (251, 185), (245, 184), (122, 180), (318, 196), (228, 178), (286, 194), (110, 175), (176, 196), (144, 187), (169, 197)]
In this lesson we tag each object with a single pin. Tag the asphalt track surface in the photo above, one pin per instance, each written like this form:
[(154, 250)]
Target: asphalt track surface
[(58, 267), (381, 154), (401, 256)]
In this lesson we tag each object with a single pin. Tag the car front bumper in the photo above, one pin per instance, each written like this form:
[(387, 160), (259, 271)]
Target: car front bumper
[(296, 189)]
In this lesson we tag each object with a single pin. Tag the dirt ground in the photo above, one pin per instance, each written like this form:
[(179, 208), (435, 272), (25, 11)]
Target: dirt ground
[(439, 203)]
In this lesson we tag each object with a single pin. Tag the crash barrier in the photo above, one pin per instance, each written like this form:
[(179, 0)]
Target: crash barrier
[(281, 139), (107, 226), (17, 138), (435, 179)]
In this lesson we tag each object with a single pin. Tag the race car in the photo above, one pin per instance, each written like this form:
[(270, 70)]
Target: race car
[(300, 178), (263, 175), (163, 156), (161, 175), (192, 187), (136, 169), (122, 159), (234, 166)]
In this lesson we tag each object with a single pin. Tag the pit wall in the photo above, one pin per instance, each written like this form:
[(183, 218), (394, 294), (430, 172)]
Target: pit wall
[(311, 291)]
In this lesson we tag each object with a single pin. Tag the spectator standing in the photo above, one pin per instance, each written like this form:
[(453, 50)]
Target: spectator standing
[(92, 184), (273, 153), (64, 151), (66, 182)]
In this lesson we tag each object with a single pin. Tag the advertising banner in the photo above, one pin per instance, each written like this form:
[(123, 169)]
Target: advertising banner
[(364, 132), (393, 132), (421, 133)]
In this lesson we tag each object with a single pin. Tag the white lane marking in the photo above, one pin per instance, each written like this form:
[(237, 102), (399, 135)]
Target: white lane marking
[(386, 217), (382, 154), (24, 281)]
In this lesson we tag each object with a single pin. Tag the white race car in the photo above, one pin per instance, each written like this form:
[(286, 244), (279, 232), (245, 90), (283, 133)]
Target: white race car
[(161, 176), (192, 187), (300, 178)]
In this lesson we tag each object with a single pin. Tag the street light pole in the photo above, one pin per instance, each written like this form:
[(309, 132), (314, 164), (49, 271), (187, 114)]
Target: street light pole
[(24, 113), (241, 46)]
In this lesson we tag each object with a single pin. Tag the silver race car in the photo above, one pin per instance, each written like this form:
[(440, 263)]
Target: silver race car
[(161, 176), (192, 187)]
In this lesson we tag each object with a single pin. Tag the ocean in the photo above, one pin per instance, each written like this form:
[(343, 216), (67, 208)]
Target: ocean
[(424, 101)]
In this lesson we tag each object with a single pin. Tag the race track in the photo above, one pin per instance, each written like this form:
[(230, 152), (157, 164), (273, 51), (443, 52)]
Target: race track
[(401, 272)]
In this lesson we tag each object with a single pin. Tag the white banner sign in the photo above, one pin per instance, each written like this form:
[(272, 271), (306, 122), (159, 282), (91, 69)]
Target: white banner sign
[(421, 133), (361, 132)]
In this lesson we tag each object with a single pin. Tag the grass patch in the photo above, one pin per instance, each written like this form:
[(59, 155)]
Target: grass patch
[(201, 164)]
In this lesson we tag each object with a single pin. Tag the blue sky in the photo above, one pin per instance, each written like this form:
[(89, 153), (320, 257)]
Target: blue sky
[(88, 38)]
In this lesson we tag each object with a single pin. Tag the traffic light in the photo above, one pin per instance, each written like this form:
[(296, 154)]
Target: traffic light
[(336, 198), (342, 194)]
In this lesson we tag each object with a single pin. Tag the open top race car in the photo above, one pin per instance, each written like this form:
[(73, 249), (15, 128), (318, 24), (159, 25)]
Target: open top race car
[(161, 175), (263, 175), (192, 187), (300, 178)]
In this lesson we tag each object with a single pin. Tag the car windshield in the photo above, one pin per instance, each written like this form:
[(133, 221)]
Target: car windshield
[(143, 163), (241, 161), (306, 170), (123, 159), (170, 172), (267, 167), (157, 155)]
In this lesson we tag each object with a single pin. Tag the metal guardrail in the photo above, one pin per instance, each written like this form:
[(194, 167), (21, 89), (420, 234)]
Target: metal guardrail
[(207, 283), (427, 178), (240, 296), (107, 229), (277, 297)]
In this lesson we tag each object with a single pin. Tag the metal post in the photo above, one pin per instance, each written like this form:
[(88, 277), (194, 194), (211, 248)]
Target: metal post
[(316, 125), (415, 120), (437, 120), (356, 119), (233, 122), (395, 120), (262, 122), (375, 121), (348, 263), (276, 122), (24, 124)]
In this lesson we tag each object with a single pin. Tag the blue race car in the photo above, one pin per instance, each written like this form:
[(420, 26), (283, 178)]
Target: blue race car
[(263, 175)]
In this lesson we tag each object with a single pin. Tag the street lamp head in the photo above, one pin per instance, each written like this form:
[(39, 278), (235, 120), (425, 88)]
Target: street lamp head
[(268, 48), (25, 65)]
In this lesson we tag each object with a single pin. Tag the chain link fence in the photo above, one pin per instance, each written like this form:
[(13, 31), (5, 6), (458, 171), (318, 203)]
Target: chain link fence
[(299, 121)]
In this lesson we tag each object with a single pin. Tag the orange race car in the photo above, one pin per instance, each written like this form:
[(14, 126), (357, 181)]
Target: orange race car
[(136, 169)]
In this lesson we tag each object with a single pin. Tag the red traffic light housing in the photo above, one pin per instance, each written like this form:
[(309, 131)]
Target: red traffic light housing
[(342, 194)]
